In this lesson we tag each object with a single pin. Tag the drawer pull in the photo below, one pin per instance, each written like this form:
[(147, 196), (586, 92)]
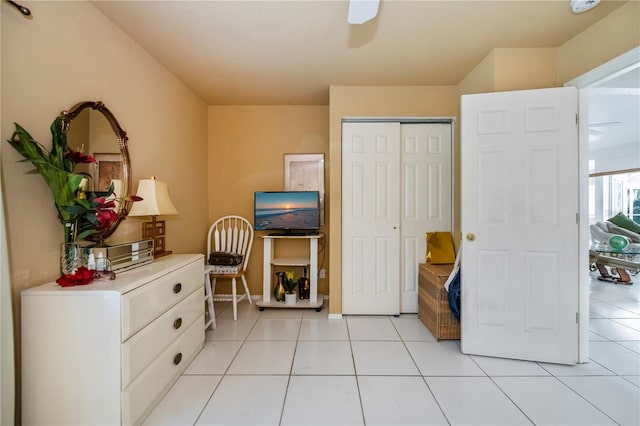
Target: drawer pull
[(177, 323), (177, 358), (177, 288)]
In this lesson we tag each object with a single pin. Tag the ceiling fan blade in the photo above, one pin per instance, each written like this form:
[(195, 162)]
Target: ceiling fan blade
[(361, 11)]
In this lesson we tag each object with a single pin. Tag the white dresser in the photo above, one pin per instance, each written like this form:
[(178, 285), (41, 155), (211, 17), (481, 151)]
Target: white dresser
[(107, 352)]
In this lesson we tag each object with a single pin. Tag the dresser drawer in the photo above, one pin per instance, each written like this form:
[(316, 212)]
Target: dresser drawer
[(144, 346), (146, 391), (144, 304)]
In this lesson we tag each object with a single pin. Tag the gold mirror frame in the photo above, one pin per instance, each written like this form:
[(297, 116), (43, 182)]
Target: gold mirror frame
[(125, 172)]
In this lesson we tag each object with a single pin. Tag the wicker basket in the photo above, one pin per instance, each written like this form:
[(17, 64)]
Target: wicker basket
[(433, 305)]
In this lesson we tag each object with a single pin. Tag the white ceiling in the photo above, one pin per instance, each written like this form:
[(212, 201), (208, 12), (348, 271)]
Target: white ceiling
[(270, 52)]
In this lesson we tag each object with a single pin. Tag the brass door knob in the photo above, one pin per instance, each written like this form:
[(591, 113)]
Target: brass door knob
[(471, 237)]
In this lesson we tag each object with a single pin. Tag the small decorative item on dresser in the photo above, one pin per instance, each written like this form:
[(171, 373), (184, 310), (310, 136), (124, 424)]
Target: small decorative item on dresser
[(278, 290), (71, 258)]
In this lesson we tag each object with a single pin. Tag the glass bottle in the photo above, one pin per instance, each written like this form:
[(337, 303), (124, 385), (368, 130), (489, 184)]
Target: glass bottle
[(303, 286)]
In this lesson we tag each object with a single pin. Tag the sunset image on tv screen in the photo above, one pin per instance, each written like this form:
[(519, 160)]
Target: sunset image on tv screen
[(287, 210)]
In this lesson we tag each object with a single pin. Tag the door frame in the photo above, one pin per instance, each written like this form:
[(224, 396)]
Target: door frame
[(583, 83)]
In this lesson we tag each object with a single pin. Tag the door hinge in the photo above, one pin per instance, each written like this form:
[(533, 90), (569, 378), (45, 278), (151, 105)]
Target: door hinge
[(577, 317), (577, 120), (577, 218)]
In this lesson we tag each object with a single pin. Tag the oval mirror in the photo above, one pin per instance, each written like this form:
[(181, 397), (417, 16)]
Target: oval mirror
[(91, 128)]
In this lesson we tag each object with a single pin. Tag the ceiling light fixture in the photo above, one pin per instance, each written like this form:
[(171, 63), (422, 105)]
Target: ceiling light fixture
[(361, 11), (579, 6)]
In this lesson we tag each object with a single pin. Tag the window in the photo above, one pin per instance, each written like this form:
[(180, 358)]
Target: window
[(614, 193)]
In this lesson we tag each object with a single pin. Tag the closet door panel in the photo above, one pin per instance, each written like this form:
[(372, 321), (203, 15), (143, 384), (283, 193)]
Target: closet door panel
[(426, 194), (396, 185), (370, 218)]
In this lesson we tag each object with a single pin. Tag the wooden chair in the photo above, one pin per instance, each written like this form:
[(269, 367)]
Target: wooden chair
[(230, 234)]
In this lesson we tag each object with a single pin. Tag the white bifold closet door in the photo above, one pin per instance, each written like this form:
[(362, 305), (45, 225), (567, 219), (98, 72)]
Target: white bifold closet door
[(396, 185)]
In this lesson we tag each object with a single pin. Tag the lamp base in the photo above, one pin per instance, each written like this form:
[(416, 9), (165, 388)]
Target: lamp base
[(161, 254), (156, 231)]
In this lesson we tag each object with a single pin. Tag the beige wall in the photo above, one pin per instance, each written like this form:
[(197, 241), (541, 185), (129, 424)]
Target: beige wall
[(608, 38), (246, 154), (352, 101), (69, 52), (512, 69)]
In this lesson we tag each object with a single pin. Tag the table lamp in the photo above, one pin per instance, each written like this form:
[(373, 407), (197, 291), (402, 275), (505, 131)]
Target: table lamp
[(155, 202)]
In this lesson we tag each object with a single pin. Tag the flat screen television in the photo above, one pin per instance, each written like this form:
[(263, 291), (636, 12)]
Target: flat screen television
[(287, 212)]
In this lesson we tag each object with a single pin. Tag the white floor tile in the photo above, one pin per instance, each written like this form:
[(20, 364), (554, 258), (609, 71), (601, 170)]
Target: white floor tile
[(312, 313), (412, 329), (634, 345), (545, 400), (632, 379), (614, 357), (591, 368), (613, 330), (633, 323), (246, 400), (596, 337), (631, 306), (614, 396), (245, 310), (323, 357), (264, 351), (275, 329), (323, 329), (214, 358), (508, 367), (228, 329), (184, 402), (383, 358), (606, 310), (283, 313), (442, 359), (322, 400), (474, 401), (379, 328), (398, 401), (264, 357)]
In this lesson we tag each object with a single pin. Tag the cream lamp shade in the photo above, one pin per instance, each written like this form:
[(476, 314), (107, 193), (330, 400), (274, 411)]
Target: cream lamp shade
[(155, 199)]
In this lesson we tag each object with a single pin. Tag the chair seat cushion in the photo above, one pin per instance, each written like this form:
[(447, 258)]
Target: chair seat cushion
[(224, 258), (225, 269)]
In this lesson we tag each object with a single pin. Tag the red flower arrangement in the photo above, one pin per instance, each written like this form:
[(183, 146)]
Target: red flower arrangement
[(82, 276), (83, 214)]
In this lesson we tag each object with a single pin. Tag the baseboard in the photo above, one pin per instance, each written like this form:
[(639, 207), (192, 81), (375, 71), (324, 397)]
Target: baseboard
[(335, 316)]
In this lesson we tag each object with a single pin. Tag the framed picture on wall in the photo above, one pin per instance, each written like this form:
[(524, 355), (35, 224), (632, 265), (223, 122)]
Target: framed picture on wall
[(305, 172), (108, 168)]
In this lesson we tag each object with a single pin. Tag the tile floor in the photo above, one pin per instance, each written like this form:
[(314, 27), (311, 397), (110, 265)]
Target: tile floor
[(296, 367)]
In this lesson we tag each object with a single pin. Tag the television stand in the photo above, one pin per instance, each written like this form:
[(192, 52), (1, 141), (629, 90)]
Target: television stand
[(315, 300), (289, 234)]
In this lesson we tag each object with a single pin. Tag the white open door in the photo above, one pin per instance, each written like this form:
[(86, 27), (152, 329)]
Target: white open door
[(520, 204)]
